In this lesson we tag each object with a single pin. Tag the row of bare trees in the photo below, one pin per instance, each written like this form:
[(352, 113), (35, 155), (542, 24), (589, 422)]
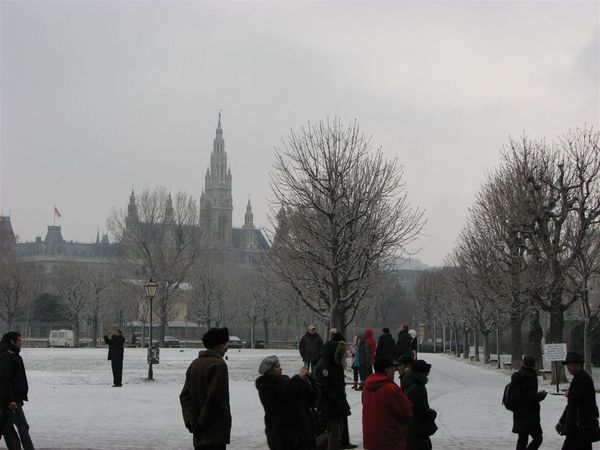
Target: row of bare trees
[(531, 244)]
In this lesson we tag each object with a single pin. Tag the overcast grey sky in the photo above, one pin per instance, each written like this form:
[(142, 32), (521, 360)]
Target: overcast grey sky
[(100, 97)]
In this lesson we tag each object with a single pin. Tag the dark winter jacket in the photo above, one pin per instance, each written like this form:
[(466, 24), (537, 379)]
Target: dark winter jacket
[(115, 343), (386, 346), (310, 347), (527, 418), (288, 419), (386, 412), (329, 373), (581, 404), (372, 345), (422, 423), (403, 344), (13, 379), (205, 399)]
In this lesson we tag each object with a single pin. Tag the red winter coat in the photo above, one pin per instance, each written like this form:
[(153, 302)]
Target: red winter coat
[(371, 343), (386, 411)]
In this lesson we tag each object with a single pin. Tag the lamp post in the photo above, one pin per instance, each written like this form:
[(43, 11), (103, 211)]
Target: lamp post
[(150, 289)]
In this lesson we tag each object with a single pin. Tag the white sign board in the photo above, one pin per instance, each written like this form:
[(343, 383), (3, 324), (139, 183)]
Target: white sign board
[(555, 352)]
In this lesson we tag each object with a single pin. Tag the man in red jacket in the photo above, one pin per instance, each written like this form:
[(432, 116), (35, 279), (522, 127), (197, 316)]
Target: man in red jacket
[(386, 409)]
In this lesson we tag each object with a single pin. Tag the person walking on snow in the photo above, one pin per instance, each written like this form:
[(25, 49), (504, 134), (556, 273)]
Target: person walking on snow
[(13, 391), (526, 420), (310, 347), (579, 421)]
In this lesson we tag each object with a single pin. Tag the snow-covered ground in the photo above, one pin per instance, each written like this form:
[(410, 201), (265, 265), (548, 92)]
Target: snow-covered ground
[(72, 404)]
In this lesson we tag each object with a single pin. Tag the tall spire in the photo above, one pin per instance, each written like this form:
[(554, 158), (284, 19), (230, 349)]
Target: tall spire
[(249, 217)]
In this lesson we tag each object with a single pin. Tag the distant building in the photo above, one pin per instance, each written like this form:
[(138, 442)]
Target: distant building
[(216, 207)]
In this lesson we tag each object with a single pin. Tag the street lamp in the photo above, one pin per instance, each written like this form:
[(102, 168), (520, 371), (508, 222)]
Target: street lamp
[(150, 289)]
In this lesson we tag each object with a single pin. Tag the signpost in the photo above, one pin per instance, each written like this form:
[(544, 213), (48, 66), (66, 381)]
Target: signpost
[(555, 353)]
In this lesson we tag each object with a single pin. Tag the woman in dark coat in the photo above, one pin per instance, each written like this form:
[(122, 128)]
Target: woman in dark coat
[(422, 424), (332, 405), (288, 419), (580, 416)]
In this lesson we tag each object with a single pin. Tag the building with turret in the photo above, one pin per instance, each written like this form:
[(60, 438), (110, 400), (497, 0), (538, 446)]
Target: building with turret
[(244, 243)]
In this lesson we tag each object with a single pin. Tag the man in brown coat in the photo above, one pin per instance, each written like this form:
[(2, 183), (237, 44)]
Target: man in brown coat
[(205, 395)]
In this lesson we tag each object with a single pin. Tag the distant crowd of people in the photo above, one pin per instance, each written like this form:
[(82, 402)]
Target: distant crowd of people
[(309, 411)]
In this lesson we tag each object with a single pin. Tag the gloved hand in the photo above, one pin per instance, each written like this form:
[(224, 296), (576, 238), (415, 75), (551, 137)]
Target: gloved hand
[(559, 428), (542, 395)]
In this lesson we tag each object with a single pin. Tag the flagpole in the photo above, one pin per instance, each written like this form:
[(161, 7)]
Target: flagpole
[(54, 216)]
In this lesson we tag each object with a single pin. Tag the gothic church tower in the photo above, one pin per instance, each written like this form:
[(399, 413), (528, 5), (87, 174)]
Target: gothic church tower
[(216, 203)]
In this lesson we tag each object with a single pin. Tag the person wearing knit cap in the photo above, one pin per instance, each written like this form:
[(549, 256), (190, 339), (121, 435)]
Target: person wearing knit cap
[(422, 424), (287, 402), (205, 395)]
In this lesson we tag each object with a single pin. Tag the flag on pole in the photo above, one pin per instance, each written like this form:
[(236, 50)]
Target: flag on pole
[(56, 213)]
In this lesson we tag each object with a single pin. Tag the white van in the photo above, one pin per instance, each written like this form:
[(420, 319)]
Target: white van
[(61, 338)]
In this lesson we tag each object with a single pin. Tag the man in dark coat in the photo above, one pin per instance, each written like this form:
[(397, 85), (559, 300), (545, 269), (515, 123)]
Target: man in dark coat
[(13, 391), (386, 347), (310, 347), (581, 413), (422, 423), (403, 344), (287, 402), (526, 420), (116, 343), (205, 395), (332, 404)]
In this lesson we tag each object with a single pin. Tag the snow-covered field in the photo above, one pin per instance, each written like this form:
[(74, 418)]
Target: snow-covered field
[(72, 404)]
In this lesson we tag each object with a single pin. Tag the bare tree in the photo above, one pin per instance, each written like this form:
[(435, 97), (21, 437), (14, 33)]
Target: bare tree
[(161, 237), (582, 147), (73, 290), (14, 289), (345, 210), (209, 287), (99, 281)]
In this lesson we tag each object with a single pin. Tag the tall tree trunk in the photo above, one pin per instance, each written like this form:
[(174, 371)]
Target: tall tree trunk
[(338, 321), (466, 345), (266, 330), (516, 346), (253, 334), (536, 334), (76, 333), (587, 332), (476, 343), (95, 331), (444, 338), (486, 346), (456, 349), (557, 324)]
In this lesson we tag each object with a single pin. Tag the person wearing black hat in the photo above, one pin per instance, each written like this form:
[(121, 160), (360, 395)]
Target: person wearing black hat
[(287, 403), (580, 417), (402, 366), (422, 424), (205, 395), (526, 420)]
